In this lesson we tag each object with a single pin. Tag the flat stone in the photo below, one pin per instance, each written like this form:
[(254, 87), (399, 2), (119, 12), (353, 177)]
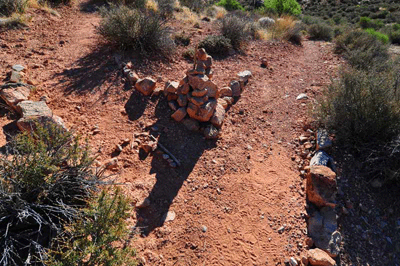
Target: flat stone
[(29, 123), (171, 87), (302, 96), (191, 124), (219, 115), (31, 109), (183, 89), (18, 68), (199, 93), (323, 140), (235, 87), (321, 186), (318, 257), (198, 100), (198, 81), (146, 86), (179, 114), (13, 96), (202, 113), (225, 92)]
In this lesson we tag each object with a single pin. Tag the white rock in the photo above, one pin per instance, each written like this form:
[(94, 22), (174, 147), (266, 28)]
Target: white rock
[(302, 96)]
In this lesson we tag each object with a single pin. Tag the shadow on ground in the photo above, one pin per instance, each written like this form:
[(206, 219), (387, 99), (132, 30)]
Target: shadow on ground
[(187, 146)]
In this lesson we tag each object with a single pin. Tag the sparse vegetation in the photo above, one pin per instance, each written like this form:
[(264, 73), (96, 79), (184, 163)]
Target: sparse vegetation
[(320, 31), (216, 45), (8, 7), (235, 29), (144, 32)]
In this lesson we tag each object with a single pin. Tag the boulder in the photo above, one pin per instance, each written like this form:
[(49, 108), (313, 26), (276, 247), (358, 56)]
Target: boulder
[(179, 114), (321, 186), (191, 124), (29, 123), (218, 118), (322, 158), (225, 92), (171, 87), (321, 228), (317, 257), (235, 87), (323, 140), (182, 100), (13, 96), (173, 105), (146, 86), (202, 113)]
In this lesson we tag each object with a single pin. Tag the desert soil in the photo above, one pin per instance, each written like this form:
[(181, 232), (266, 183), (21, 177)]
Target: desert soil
[(230, 196)]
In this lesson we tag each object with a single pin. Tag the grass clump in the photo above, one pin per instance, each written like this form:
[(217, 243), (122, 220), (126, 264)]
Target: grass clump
[(380, 36), (230, 5), (320, 31), (361, 49), (144, 32), (216, 45)]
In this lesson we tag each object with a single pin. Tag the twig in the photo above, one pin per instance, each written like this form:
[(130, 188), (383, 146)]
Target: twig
[(178, 163)]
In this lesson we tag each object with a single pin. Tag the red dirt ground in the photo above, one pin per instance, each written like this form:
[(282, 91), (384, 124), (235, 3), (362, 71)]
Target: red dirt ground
[(242, 187)]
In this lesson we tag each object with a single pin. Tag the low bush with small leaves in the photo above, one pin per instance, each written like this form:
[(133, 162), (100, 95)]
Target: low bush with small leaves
[(230, 5), (395, 37), (166, 7), (216, 45), (366, 22), (320, 31), (144, 32), (361, 49), (8, 7), (235, 28), (380, 36), (289, 7)]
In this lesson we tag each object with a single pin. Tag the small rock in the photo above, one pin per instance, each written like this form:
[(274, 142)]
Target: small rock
[(321, 186), (219, 115), (171, 87), (179, 114), (18, 68), (302, 96), (210, 132), (204, 228), (133, 77), (235, 87), (281, 229), (13, 96), (318, 257), (146, 86), (169, 216), (173, 105), (225, 92), (201, 54), (322, 158), (182, 100), (223, 103), (204, 112), (157, 91), (149, 147), (293, 262), (323, 140), (111, 164), (15, 77)]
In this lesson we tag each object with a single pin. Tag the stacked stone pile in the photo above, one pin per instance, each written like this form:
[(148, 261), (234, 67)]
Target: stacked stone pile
[(196, 98), (16, 93)]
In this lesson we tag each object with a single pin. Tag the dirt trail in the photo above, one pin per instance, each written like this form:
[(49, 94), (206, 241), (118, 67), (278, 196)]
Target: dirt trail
[(231, 197)]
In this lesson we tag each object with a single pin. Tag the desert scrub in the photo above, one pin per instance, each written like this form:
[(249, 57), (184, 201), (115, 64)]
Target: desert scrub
[(99, 236), (144, 32), (363, 107), (188, 54), (286, 28), (166, 8), (361, 49), (380, 36), (366, 22), (230, 5), (235, 28), (216, 45), (290, 7), (45, 177), (8, 7), (182, 39), (320, 31)]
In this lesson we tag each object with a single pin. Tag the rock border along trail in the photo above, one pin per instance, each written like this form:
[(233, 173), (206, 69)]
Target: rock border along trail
[(237, 200)]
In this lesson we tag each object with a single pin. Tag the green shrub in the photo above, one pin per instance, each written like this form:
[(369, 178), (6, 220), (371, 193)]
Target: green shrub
[(290, 7), (396, 27), (235, 28), (366, 23), (100, 236), (216, 45), (230, 5), (7, 7), (320, 31), (361, 49), (144, 32), (395, 37), (45, 177), (380, 36), (363, 107)]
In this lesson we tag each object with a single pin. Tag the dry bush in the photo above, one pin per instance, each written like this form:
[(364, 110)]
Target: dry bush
[(320, 31), (187, 16), (216, 45), (286, 28), (8, 7), (236, 28), (144, 32)]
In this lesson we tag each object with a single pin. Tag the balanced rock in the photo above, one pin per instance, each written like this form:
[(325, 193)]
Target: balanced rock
[(32, 109), (218, 118), (202, 113), (321, 186), (145, 86), (198, 81), (12, 96), (317, 257), (235, 87)]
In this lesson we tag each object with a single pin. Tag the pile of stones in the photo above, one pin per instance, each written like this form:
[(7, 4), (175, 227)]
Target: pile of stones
[(16, 93), (197, 99)]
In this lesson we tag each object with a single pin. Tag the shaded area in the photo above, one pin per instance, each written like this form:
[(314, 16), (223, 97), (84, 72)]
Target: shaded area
[(369, 216), (188, 147)]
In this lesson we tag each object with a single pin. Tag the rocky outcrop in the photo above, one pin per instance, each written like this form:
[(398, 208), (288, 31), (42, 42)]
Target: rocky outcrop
[(321, 186)]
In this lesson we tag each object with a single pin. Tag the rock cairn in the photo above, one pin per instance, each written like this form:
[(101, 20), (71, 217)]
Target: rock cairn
[(197, 99), (16, 94)]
